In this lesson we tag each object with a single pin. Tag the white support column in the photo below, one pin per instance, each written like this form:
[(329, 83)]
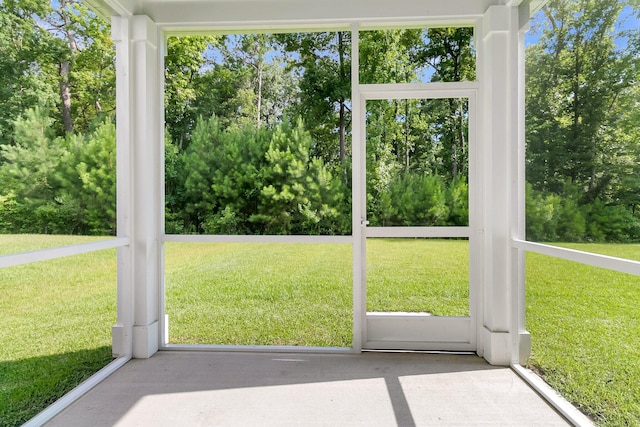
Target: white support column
[(358, 191), (147, 146), (122, 332), (499, 85), (521, 340), (139, 123)]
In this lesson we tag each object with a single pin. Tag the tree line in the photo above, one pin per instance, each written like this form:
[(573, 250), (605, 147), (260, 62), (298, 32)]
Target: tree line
[(57, 136), (257, 127), (583, 122)]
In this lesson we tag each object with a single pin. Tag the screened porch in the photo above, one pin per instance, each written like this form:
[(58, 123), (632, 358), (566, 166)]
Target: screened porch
[(398, 364)]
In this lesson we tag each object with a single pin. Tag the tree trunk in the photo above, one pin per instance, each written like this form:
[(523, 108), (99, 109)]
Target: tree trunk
[(342, 124), (407, 150), (65, 96), (259, 121), (342, 131), (463, 142), (454, 140), (65, 69)]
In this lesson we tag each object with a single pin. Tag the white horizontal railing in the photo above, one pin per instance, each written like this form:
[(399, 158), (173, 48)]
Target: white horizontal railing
[(60, 251), (226, 238), (432, 90), (389, 232), (611, 263), (427, 232)]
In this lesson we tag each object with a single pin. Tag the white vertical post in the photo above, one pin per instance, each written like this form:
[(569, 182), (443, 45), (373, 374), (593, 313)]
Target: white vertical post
[(139, 122), (122, 331), (147, 113), (521, 340), (358, 196), (475, 220), (498, 81), (164, 318)]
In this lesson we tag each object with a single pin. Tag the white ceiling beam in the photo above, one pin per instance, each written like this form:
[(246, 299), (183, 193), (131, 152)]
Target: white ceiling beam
[(267, 13), (109, 8)]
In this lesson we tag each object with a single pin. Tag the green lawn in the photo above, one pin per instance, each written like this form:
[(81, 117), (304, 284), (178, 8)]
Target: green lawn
[(259, 294), (417, 275), (585, 328), (301, 294), (57, 315), (56, 324)]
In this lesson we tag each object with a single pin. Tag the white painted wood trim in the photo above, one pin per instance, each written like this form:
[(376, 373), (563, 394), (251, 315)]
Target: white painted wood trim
[(434, 90), (224, 238), (358, 197), (433, 232), (269, 15), (521, 342), (60, 252), (570, 412), (121, 36), (418, 331), (475, 209), (83, 388), (417, 346), (611, 263), (408, 331), (256, 348), (312, 25)]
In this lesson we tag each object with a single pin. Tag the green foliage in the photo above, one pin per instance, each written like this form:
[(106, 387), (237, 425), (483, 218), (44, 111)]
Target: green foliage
[(21, 43), (417, 200), (582, 123), (92, 76), (90, 179), (612, 223), (414, 199), (182, 65), (29, 171), (8, 212), (255, 181), (458, 202), (450, 52), (299, 194), (324, 62), (553, 217), (53, 185), (540, 221), (57, 54), (259, 181), (385, 56), (582, 95), (222, 173)]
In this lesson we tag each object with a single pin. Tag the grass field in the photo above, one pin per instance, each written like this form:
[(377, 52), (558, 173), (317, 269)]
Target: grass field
[(56, 319), (301, 294), (585, 328), (57, 315)]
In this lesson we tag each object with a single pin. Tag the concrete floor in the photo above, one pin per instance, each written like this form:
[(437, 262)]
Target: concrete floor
[(272, 389)]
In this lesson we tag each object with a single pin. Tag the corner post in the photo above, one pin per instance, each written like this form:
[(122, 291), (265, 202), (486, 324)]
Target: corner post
[(122, 332), (498, 76), (140, 145), (521, 339), (147, 154)]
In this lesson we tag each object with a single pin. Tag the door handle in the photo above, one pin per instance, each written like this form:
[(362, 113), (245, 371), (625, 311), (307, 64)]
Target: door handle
[(364, 222)]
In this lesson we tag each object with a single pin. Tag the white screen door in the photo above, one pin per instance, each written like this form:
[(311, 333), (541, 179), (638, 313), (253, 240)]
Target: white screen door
[(418, 217)]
